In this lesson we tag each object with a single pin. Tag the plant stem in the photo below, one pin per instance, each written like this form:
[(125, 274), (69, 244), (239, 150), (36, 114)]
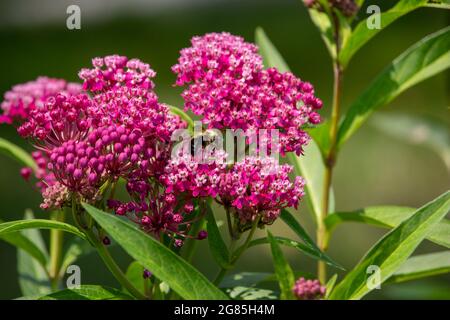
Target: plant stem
[(330, 160), (113, 267), (56, 245), (238, 253), (106, 256)]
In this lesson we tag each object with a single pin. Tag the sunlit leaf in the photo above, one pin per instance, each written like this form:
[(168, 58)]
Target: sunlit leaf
[(393, 249), (182, 277), (426, 58)]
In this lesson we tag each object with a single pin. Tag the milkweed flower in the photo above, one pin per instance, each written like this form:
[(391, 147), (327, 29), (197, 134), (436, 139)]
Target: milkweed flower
[(197, 178), (26, 97), (242, 95), (114, 128), (115, 71), (158, 212), (215, 55), (259, 187), (60, 119), (308, 289)]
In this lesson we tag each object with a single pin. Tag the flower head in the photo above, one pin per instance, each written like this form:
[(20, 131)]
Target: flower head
[(115, 71), (228, 98), (215, 55), (259, 188), (308, 289), (60, 119), (186, 174), (26, 97)]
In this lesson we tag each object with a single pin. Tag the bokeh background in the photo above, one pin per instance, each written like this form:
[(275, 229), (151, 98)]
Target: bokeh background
[(373, 168)]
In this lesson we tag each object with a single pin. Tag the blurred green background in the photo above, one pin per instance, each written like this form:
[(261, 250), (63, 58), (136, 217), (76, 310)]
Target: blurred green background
[(373, 168)]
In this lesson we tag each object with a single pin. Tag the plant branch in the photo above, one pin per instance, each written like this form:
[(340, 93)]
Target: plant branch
[(330, 159), (56, 246), (238, 253)]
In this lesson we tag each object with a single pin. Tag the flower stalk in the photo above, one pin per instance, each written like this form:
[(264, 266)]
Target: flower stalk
[(56, 246), (330, 158)]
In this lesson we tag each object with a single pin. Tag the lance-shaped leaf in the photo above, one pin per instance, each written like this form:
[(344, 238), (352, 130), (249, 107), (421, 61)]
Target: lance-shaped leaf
[(182, 277), (33, 277), (14, 226), (428, 132), (16, 153), (393, 249), (389, 217), (283, 270), (318, 255), (270, 54), (363, 33), (426, 58), (216, 243), (289, 219), (88, 292), (421, 266)]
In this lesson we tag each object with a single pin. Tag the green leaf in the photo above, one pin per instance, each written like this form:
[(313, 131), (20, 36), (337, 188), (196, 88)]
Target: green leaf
[(251, 293), (393, 249), (270, 54), (311, 165), (330, 285), (431, 133), (389, 217), (422, 266), (321, 135), (283, 271), (362, 34), (426, 58), (14, 226), (20, 241), (217, 246), (135, 273), (88, 292), (16, 153), (444, 4), (299, 246), (246, 279), (323, 23), (33, 277), (289, 219), (183, 278), (75, 248), (183, 115)]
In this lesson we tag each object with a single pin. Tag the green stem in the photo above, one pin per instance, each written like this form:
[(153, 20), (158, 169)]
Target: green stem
[(237, 254), (107, 258), (322, 232), (114, 268), (56, 246)]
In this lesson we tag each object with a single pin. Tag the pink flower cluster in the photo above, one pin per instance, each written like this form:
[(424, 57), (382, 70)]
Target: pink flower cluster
[(309, 289), (251, 188), (113, 126), (24, 98), (117, 128), (184, 174), (229, 89), (158, 213), (260, 187)]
